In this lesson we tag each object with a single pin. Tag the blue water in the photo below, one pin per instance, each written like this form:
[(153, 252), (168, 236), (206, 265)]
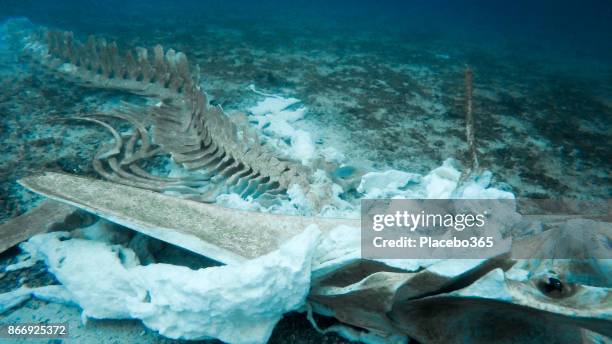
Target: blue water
[(570, 32)]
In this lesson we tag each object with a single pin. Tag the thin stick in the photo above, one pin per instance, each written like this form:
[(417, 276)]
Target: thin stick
[(469, 119)]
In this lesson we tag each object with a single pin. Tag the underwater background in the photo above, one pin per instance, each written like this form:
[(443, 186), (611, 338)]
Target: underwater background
[(382, 81)]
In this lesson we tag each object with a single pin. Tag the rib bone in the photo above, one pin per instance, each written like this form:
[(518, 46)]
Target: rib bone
[(195, 134)]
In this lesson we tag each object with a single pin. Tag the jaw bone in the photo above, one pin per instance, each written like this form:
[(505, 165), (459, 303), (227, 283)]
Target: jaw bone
[(47, 216), (220, 233)]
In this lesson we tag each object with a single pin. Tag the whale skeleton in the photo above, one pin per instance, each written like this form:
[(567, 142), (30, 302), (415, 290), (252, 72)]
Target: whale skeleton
[(555, 301), (225, 151)]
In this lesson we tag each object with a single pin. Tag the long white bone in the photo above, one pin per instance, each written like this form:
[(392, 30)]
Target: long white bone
[(226, 235)]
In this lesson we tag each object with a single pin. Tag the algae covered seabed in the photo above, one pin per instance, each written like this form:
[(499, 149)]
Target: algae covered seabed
[(383, 95), (387, 94)]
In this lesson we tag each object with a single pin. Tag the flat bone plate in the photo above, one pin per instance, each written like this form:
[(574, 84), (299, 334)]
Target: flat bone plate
[(226, 235)]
